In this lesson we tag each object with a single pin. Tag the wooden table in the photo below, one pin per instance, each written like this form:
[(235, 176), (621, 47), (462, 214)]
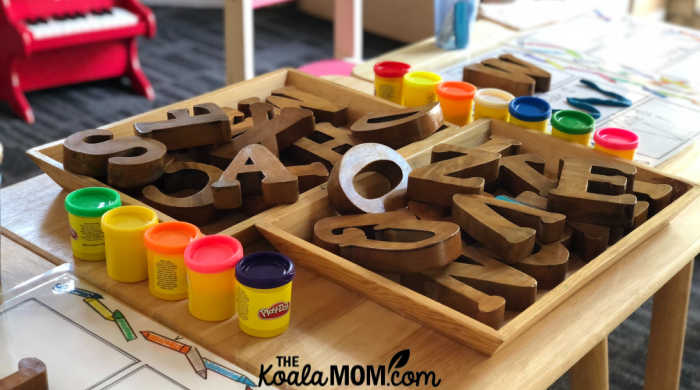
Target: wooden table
[(358, 330)]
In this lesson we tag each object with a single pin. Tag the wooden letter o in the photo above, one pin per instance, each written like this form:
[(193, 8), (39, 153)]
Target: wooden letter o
[(368, 157)]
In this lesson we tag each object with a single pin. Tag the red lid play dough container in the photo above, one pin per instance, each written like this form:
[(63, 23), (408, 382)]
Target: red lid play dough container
[(264, 293), (165, 251), (617, 142), (211, 263), (456, 100), (388, 80)]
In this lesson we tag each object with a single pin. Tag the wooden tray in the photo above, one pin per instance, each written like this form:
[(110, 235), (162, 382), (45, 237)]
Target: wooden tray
[(291, 232), (288, 228), (49, 157)]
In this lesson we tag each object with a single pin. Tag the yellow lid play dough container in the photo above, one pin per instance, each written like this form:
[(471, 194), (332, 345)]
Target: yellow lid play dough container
[(165, 253), (419, 88), (573, 126), (124, 248), (530, 112), (492, 103), (264, 293), (211, 279), (85, 207), (388, 80), (456, 101)]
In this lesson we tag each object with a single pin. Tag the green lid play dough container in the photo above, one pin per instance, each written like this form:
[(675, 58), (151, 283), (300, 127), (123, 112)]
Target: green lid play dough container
[(573, 126), (85, 208)]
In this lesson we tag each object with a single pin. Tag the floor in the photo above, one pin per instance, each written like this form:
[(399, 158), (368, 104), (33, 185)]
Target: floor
[(187, 59)]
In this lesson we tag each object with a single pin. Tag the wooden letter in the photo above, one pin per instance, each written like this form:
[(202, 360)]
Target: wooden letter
[(345, 196), (507, 228), (192, 179), (589, 240), (508, 73), (324, 110), (464, 174), (310, 175), (658, 195), (525, 172), (595, 192), (398, 128), (502, 146), (390, 242), (532, 199), (326, 144), (276, 133), (127, 162), (481, 271), (548, 264), (209, 126), (255, 171), (31, 375)]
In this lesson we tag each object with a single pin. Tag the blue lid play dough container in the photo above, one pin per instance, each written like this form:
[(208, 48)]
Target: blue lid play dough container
[(264, 293), (530, 112)]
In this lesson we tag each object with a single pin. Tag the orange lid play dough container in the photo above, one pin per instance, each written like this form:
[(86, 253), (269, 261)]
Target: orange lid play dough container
[(125, 252), (456, 100), (617, 142), (264, 293), (388, 80), (165, 253), (211, 263)]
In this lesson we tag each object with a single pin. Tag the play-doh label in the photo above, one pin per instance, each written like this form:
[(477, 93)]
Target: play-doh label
[(275, 311)]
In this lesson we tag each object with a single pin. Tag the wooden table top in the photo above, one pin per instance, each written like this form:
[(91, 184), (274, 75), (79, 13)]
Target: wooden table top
[(334, 325)]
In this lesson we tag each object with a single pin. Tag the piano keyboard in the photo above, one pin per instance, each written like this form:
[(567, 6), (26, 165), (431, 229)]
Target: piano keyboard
[(75, 24)]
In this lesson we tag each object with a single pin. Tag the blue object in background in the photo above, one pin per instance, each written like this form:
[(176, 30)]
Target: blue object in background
[(453, 21)]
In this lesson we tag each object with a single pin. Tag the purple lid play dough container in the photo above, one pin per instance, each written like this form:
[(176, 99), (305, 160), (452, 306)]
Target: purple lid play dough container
[(265, 270)]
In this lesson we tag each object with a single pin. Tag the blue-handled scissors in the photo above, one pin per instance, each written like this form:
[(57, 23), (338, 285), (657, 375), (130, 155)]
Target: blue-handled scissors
[(587, 104)]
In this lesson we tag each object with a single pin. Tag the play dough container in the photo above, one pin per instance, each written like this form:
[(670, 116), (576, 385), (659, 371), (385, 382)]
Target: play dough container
[(124, 247), (573, 126), (165, 251), (617, 142), (264, 293), (211, 279), (419, 88), (85, 208), (530, 112), (492, 103), (388, 80), (456, 101)]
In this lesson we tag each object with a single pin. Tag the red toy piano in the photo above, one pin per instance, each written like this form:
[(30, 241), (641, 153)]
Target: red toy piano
[(48, 43)]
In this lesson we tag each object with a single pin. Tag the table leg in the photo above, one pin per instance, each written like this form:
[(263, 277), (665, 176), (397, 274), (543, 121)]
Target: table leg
[(668, 322), (347, 30), (591, 372), (238, 40)]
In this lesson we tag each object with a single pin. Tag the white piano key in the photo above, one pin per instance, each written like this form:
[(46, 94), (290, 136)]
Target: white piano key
[(119, 17)]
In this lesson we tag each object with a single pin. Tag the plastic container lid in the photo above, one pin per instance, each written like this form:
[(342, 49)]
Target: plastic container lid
[(92, 201), (126, 218), (213, 254), (265, 270), (493, 97), (456, 90), (530, 109), (170, 237), (617, 139), (391, 69), (573, 122), (422, 78)]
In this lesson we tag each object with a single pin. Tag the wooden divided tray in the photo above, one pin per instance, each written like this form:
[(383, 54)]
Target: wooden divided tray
[(288, 229)]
